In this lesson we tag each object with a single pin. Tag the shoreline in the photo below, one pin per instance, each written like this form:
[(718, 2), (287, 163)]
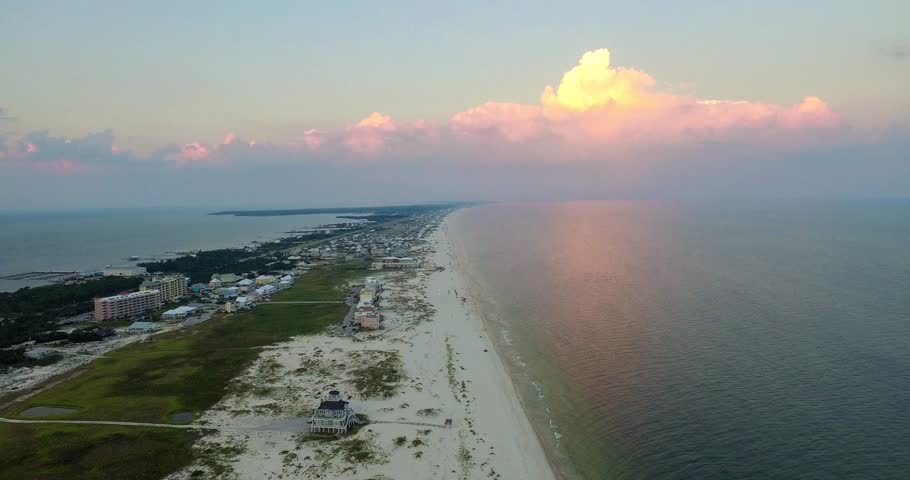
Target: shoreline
[(214, 241), (539, 431), (501, 362), (450, 369)]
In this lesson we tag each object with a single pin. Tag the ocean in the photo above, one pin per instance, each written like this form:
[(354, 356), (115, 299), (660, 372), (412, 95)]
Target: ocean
[(89, 240), (759, 340)]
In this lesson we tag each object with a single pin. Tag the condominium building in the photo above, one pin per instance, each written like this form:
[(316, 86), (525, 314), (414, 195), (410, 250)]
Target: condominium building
[(129, 305), (172, 288)]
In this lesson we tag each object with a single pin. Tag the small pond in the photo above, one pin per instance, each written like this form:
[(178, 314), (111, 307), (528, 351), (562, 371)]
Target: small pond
[(46, 411), (182, 417)]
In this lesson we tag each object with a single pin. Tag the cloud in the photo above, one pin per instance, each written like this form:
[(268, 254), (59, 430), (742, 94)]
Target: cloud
[(597, 105), (598, 112)]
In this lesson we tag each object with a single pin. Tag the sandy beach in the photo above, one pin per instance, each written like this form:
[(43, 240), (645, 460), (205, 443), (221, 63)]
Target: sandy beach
[(449, 370)]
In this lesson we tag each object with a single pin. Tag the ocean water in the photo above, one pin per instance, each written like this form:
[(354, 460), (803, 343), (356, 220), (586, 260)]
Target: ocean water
[(703, 341), (92, 239)]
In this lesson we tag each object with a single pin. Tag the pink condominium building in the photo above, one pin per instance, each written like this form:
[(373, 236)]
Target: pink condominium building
[(129, 305)]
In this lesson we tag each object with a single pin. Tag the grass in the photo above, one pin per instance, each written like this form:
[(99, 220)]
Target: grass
[(379, 380), (185, 370), (325, 284), (75, 452), (189, 369)]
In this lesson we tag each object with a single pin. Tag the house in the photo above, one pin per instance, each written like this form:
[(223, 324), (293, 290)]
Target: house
[(287, 278), (245, 284), (199, 288), (367, 295), (229, 278), (370, 322), (266, 290), (143, 327), (265, 280), (232, 292), (333, 415), (179, 312)]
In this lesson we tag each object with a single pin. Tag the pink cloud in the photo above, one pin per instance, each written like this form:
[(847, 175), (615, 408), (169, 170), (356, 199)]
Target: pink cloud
[(596, 109), (312, 138), (369, 135), (598, 105), (192, 153)]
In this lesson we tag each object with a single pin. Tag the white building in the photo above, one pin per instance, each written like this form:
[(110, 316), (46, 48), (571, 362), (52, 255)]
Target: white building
[(333, 415), (266, 290), (128, 271), (179, 312)]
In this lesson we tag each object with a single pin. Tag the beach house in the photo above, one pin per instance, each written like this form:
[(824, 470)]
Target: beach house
[(333, 415)]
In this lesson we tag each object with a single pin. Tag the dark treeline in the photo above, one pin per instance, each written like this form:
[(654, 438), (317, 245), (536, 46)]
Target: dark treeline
[(397, 210), (201, 266), (28, 311)]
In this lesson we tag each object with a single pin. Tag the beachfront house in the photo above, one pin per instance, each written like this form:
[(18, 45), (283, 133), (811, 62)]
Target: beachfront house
[(370, 322), (333, 415)]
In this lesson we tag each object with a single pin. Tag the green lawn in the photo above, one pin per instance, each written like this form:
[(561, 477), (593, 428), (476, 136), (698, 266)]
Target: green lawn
[(69, 452), (184, 370), (325, 283), (189, 369)]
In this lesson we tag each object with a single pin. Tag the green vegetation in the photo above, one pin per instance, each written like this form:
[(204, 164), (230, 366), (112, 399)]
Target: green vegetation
[(76, 452), (15, 358), (325, 284), (450, 369), (28, 311), (185, 370), (188, 369), (429, 412), (400, 441), (399, 210), (202, 265), (379, 379)]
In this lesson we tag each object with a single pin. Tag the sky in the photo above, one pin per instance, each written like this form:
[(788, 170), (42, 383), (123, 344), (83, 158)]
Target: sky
[(269, 104)]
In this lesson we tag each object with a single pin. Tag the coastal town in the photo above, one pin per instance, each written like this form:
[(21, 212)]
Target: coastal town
[(341, 355)]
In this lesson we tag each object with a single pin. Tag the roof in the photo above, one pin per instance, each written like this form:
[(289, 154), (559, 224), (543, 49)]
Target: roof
[(332, 405), (179, 310)]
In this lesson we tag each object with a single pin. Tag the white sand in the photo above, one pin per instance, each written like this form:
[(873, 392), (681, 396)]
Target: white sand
[(491, 436)]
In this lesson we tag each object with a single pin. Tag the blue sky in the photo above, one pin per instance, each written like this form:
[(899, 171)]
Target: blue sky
[(172, 73)]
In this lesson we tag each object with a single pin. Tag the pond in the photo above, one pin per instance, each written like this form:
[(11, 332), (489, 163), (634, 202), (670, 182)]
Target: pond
[(46, 411), (182, 417)]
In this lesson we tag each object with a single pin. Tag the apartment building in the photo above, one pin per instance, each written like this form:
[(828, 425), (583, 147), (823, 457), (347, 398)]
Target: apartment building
[(172, 288), (126, 306)]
